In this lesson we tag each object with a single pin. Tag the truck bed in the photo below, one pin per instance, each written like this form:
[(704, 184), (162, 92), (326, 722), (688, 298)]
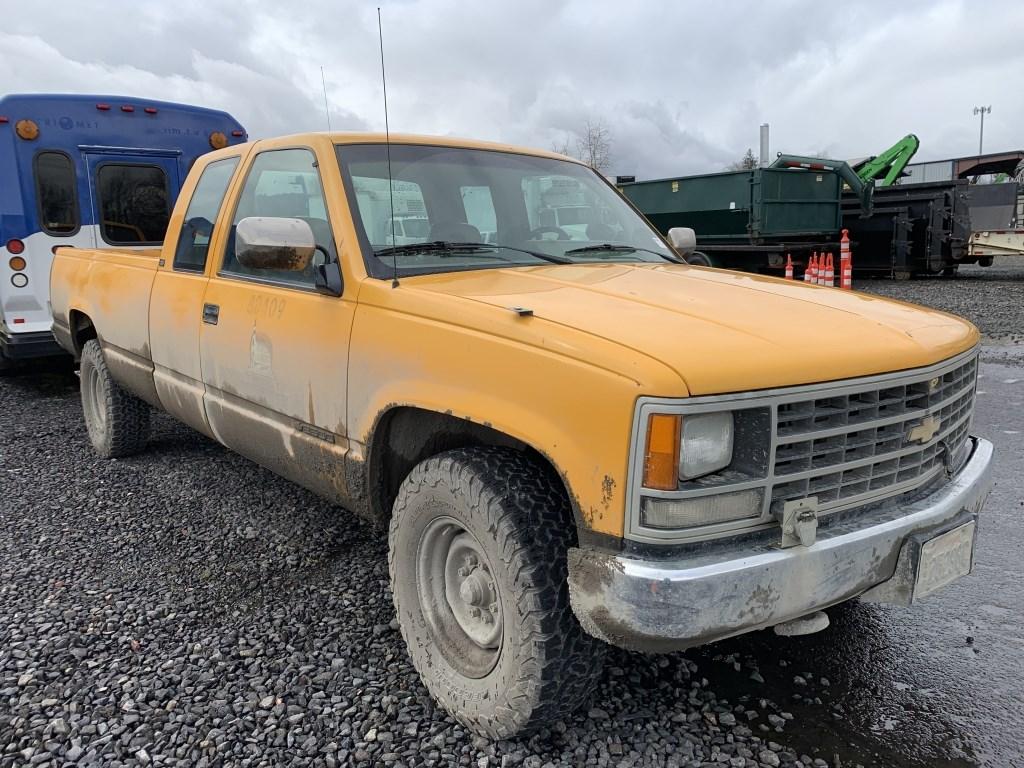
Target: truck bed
[(110, 286)]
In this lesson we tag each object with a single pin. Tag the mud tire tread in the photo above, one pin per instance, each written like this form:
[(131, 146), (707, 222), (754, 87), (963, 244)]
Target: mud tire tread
[(526, 512), (125, 430)]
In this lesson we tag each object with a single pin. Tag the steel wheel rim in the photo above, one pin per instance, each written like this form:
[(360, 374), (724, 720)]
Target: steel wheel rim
[(459, 597), (94, 399)]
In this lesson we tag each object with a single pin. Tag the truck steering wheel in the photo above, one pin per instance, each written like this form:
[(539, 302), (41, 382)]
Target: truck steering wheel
[(562, 234)]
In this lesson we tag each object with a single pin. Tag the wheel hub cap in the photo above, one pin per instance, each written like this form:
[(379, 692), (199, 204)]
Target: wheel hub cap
[(471, 593)]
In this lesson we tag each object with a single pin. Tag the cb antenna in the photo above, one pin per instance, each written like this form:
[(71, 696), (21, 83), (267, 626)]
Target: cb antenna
[(327, 109), (387, 144)]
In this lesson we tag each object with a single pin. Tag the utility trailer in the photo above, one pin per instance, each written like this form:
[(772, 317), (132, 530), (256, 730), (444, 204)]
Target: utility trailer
[(751, 219), (926, 228), (997, 221)]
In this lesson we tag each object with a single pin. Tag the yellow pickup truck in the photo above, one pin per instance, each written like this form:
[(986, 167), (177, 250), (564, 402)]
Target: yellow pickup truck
[(573, 437)]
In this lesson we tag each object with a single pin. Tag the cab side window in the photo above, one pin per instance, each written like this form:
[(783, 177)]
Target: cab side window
[(203, 208), (284, 183)]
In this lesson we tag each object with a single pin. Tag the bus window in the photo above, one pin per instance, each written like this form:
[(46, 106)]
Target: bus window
[(194, 240), (133, 203), (55, 191)]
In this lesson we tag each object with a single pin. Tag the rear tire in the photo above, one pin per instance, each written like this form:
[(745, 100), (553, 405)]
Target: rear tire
[(117, 421), (477, 557)]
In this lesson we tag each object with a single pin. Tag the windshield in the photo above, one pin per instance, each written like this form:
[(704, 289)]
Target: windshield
[(520, 210)]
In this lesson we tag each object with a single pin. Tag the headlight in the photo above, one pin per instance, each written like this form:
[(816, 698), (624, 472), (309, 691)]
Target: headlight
[(706, 445), (703, 470), (686, 447), (702, 510)]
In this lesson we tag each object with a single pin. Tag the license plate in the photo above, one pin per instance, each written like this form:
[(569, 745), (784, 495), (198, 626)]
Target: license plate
[(945, 559)]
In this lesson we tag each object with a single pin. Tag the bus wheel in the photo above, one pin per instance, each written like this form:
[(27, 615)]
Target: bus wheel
[(699, 259), (117, 422), (7, 366)]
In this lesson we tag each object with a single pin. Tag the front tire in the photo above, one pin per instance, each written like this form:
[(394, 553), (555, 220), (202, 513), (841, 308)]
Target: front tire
[(117, 421), (477, 558)]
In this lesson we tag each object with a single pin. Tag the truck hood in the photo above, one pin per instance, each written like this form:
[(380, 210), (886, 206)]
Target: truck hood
[(720, 331)]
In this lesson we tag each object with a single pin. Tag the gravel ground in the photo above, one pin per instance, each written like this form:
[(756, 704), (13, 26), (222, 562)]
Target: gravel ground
[(186, 607), (146, 620)]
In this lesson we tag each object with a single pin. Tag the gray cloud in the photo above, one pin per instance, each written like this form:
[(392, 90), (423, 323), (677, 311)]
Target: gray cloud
[(681, 86)]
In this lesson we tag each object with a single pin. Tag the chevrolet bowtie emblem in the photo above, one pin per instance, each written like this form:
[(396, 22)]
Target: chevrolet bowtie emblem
[(925, 431)]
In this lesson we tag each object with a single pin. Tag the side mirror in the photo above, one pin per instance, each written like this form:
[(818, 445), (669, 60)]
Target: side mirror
[(683, 239), (327, 276), (269, 242)]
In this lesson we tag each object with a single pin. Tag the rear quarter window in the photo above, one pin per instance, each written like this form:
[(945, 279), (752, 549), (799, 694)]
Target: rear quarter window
[(56, 193), (134, 203)]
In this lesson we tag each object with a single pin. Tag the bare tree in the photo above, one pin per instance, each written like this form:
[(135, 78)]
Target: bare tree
[(746, 163), (594, 146), (562, 147)]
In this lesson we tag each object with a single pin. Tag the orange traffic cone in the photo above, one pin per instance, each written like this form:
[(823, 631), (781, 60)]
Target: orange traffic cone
[(845, 262), (811, 273), (789, 267), (830, 273)]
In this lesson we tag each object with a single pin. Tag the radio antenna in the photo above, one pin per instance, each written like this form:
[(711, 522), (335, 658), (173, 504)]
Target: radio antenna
[(327, 109), (387, 144)]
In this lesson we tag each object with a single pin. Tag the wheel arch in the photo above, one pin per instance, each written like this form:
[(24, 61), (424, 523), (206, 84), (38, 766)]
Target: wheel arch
[(81, 329), (405, 435)]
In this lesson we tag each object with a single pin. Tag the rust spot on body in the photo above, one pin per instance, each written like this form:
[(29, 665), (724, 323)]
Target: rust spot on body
[(607, 490)]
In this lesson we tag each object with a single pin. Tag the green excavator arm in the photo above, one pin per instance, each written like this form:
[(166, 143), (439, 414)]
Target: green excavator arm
[(885, 168)]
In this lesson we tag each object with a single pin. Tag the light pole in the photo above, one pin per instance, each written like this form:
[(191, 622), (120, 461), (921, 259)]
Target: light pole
[(981, 134)]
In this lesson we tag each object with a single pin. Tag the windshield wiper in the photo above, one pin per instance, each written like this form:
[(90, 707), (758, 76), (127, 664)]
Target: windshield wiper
[(465, 247), (613, 248)]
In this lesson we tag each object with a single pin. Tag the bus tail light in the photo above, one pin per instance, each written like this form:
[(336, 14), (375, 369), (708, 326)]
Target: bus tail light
[(103, 107), (127, 108), (17, 263), (150, 110), (15, 246)]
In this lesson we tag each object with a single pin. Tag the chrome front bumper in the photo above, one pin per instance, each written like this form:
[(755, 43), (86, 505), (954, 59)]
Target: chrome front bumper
[(658, 606)]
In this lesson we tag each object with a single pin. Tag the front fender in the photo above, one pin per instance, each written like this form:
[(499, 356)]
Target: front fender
[(577, 414)]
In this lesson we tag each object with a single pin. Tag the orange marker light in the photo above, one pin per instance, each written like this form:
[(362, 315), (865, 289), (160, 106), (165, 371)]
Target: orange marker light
[(218, 140), (27, 130), (661, 454), (17, 263)]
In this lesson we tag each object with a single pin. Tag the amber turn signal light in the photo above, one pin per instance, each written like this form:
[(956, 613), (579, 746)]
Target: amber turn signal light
[(661, 453), (17, 263), (27, 130)]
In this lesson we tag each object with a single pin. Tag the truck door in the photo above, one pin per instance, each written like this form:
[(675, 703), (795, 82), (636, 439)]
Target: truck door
[(176, 305), (133, 192), (273, 351)]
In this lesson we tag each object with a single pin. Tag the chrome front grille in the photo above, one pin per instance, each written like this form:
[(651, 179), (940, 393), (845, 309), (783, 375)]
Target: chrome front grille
[(871, 442), (848, 443)]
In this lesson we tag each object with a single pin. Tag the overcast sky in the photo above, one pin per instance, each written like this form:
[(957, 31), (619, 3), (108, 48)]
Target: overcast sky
[(681, 86)]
